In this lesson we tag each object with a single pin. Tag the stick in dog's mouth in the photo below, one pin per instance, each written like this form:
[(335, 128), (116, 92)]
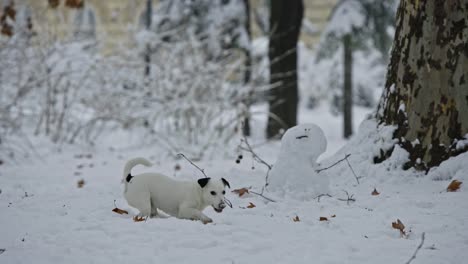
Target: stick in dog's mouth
[(227, 202)]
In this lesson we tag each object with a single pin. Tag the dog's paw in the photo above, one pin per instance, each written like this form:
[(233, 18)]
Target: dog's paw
[(207, 221), (139, 218)]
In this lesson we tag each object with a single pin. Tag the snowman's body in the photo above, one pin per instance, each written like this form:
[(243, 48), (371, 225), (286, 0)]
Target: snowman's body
[(294, 170)]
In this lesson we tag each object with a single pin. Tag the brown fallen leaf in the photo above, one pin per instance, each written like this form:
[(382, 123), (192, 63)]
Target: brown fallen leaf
[(399, 226), (296, 219), (454, 186), (241, 191), (333, 216), (375, 192), (80, 183), (251, 205), (119, 211), (138, 219), (323, 218)]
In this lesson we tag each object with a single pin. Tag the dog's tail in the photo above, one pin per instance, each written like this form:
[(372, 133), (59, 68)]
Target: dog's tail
[(127, 176)]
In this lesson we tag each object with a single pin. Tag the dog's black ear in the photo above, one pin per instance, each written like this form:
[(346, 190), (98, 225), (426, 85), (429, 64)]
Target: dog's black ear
[(129, 178), (203, 182), (226, 183)]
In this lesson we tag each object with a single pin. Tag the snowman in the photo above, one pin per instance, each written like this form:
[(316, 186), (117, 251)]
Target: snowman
[(294, 174)]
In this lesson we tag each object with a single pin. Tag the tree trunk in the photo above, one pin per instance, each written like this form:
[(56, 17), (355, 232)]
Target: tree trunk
[(348, 86), (285, 26), (248, 66), (426, 93), (148, 20)]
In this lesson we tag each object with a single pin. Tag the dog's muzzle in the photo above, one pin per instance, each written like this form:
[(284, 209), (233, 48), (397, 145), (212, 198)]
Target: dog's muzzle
[(220, 207)]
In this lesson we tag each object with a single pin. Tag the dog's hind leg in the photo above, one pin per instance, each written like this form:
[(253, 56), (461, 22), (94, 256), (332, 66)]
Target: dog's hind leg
[(154, 210)]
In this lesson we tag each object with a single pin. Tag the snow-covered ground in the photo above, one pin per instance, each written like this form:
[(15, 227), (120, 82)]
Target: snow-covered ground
[(46, 218)]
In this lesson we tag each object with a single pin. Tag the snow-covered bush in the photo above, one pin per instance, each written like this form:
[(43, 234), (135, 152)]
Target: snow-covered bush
[(69, 93), (218, 25), (190, 104)]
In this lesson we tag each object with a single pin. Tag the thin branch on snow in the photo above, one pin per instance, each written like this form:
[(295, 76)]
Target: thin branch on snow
[(417, 249), (349, 199), (193, 164), (263, 196), (339, 161), (355, 176), (334, 164), (322, 195)]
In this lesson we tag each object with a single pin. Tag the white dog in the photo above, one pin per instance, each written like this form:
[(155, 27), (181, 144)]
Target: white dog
[(182, 199)]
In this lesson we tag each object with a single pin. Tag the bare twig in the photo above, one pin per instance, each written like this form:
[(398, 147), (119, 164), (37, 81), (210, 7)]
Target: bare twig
[(339, 161), (322, 195), (191, 162), (417, 249), (334, 164), (263, 196), (349, 199), (258, 159), (226, 200), (255, 156), (355, 176)]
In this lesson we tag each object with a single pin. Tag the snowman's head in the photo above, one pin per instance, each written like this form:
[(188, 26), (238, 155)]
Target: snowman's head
[(307, 140)]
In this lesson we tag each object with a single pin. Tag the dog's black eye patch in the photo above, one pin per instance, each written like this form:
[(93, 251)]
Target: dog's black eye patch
[(213, 193)]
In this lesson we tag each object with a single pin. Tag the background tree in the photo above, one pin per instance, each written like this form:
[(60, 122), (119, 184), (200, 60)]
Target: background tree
[(285, 26), (361, 28), (148, 20), (248, 63), (347, 85), (426, 93)]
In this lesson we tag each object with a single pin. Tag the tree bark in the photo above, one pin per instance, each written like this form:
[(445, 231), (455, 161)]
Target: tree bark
[(426, 93), (347, 86), (285, 26)]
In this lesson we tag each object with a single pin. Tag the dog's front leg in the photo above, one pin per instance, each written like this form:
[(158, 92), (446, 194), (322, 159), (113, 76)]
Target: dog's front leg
[(194, 214)]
